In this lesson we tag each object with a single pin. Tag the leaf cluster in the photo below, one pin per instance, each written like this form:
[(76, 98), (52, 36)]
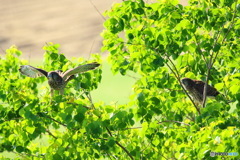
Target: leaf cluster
[(164, 42), (161, 42)]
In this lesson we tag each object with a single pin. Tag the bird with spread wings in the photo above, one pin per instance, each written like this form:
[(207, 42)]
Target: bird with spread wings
[(195, 89), (57, 80)]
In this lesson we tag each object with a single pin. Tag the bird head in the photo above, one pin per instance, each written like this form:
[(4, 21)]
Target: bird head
[(53, 76), (187, 81)]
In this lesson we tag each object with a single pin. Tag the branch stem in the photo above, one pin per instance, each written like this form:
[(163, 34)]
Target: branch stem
[(128, 153), (213, 56)]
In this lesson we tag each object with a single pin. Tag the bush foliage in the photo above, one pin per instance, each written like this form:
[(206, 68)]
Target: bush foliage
[(161, 42)]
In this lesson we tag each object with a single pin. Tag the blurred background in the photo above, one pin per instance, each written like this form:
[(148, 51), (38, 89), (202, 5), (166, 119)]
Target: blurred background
[(75, 24)]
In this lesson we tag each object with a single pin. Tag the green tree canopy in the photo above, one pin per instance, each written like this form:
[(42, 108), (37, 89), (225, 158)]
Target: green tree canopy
[(161, 42)]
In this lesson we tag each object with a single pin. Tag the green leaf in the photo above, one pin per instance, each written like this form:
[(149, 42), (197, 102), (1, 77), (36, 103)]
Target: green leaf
[(216, 47), (109, 109), (233, 106), (94, 128), (139, 11), (219, 86), (155, 100), (158, 62), (19, 149), (161, 43), (79, 117), (57, 156), (234, 89), (111, 142), (113, 21), (140, 97), (130, 36), (173, 94), (30, 129)]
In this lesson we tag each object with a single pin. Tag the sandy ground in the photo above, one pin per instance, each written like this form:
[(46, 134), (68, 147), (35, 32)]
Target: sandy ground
[(74, 24)]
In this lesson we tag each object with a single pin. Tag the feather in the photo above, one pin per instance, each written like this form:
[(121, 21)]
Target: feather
[(196, 89), (33, 72), (80, 69)]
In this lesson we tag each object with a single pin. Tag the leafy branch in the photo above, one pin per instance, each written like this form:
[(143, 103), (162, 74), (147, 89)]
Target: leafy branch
[(50, 133), (213, 57), (173, 69), (109, 132), (159, 122), (172, 121), (26, 155), (121, 146), (45, 115), (177, 76)]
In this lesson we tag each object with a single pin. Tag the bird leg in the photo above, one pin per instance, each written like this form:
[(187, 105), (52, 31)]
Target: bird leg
[(52, 92), (61, 91)]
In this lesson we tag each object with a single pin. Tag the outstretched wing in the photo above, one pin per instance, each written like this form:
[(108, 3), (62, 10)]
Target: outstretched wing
[(199, 86), (33, 72), (80, 69)]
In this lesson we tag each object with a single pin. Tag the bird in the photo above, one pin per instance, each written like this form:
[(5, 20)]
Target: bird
[(196, 89), (57, 80)]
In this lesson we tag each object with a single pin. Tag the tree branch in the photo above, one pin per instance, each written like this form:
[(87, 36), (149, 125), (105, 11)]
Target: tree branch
[(55, 120), (213, 58), (174, 122), (160, 123), (88, 95), (128, 153), (199, 48), (177, 76), (26, 154), (51, 134), (179, 81), (97, 10)]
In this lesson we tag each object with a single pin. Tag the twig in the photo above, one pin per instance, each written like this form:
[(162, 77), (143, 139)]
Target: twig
[(160, 153), (51, 134), (132, 128), (26, 154), (110, 156), (76, 129), (4, 52), (91, 49), (213, 58), (177, 76), (209, 66), (128, 153), (97, 10), (78, 104), (88, 95), (136, 78), (198, 48), (174, 122), (109, 132), (190, 118), (179, 81), (12, 119), (160, 123), (177, 90), (205, 88), (55, 120)]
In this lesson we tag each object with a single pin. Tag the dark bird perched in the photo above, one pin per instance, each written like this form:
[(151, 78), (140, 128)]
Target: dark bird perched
[(196, 89), (57, 80)]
